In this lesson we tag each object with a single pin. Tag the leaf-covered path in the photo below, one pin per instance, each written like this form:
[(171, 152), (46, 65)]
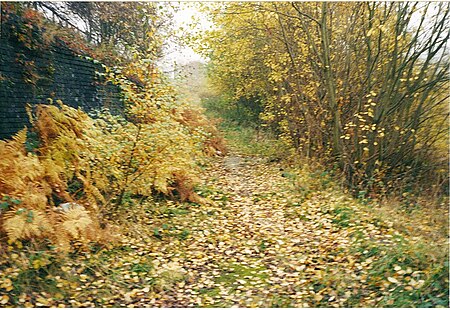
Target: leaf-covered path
[(265, 237), (252, 248), (263, 243)]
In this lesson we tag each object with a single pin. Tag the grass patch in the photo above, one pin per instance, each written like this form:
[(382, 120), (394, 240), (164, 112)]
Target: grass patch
[(343, 216), (211, 193), (243, 130), (405, 274), (172, 212), (231, 273)]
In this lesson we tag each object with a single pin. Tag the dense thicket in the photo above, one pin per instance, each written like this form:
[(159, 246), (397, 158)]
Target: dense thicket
[(71, 173), (363, 86), (95, 164)]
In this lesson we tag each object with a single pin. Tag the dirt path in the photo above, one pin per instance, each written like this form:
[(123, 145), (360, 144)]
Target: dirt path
[(259, 246), (266, 239)]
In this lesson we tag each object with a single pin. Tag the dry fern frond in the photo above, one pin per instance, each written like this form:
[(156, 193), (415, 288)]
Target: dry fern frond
[(25, 224), (15, 166), (53, 122), (184, 185), (22, 175), (45, 123), (92, 192), (65, 151), (215, 145), (192, 118), (18, 140), (195, 120), (76, 222), (35, 197)]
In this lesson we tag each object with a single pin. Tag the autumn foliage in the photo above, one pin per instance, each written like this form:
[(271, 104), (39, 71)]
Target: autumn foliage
[(361, 87), (30, 184), (93, 163)]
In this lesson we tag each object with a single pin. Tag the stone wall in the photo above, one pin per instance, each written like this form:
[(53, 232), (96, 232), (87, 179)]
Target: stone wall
[(31, 76)]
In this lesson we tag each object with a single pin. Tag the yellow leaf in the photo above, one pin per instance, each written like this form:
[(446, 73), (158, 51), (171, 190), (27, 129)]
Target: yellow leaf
[(4, 300), (7, 282), (392, 280), (41, 301)]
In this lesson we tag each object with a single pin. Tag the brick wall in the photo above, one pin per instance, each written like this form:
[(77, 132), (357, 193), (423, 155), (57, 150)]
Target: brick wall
[(30, 76)]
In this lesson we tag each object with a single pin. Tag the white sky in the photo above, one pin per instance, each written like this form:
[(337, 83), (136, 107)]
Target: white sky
[(188, 13), (177, 55)]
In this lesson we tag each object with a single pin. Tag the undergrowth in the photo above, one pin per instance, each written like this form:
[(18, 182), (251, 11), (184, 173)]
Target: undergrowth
[(244, 135), (70, 182), (395, 263)]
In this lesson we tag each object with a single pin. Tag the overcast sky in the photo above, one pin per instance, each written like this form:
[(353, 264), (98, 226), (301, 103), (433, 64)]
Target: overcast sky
[(177, 55)]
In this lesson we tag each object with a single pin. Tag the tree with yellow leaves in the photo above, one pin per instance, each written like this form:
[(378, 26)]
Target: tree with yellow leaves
[(361, 86)]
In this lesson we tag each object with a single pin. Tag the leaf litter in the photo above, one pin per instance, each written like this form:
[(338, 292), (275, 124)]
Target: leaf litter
[(257, 243)]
